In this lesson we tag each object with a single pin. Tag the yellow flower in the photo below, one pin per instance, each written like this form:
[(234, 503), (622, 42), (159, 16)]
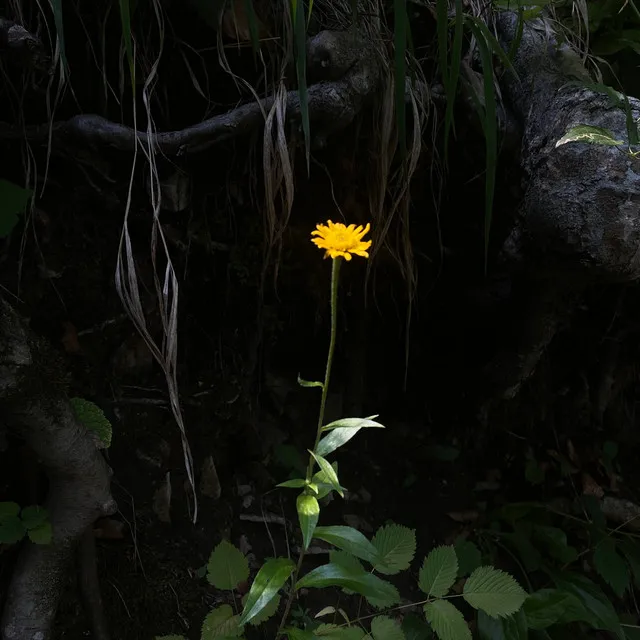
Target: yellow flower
[(340, 241)]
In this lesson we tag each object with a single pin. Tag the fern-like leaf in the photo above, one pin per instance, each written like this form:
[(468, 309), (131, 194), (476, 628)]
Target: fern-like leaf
[(439, 571), (397, 546), (494, 592)]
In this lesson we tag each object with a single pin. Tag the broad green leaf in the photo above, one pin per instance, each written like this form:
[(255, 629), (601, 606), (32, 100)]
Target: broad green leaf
[(386, 628), (513, 627), (555, 540), (599, 607), (221, 624), (367, 584), (9, 510), (350, 540), (269, 610), (349, 562), (469, 556), (329, 471), (352, 423), (446, 621), (520, 540), (13, 202), (93, 419), (336, 438), (34, 516), (589, 134), (41, 534), (308, 384), (439, 571), (334, 632), (611, 567), (631, 551), (227, 566), (272, 575), (415, 628), (494, 592), (396, 547), (547, 607), (308, 515), (296, 483), (11, 530)]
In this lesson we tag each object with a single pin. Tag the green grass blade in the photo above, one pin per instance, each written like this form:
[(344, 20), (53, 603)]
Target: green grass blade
[(125, 20), (253, 25), (490, 126), (300, 52), (400, 68), (442, 19), (59, 23), (515, 45), (453, 74)]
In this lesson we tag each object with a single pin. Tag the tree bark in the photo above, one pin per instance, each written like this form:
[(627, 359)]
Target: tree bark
[(35, 407)]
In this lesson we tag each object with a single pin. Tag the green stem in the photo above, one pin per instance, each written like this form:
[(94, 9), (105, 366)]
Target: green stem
[(335, 272)]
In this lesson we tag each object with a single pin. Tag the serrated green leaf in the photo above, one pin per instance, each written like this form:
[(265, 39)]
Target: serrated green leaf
[(308, 384), (329, 471), (611, 567), (469, 556), (296, 483), (221, 623), (93, 419), (349, 562), (599, 608), (396, 547), (415, 628), (271, 577), (370, 586), (446, 621), (589, 134), (494, 592), (42, 534), (308, 515), (269, 610), (227, 566), (555, 540), (513, 627), (9, 510), (351, 423), (386, 628), (33, 516), (439, 571), (11, 530), (547, 607), (13, 202), (350, 540)]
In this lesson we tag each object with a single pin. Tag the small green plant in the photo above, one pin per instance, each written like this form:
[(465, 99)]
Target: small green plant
[(16, 523), (356, 565)]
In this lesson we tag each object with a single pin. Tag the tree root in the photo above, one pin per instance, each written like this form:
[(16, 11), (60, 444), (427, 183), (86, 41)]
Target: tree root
[(35, 408)]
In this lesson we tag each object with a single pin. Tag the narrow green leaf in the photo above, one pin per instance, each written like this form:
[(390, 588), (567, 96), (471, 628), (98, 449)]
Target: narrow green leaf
[(366, 584), (320, 479), (400, 69), (41, 534), (253, 25), (611, 567), (58, 20), (300, 50), (272, 575), (329, 471), (453, 75), (438, 572), (125, 22), (296, 483), (308, 515), (513, 627), (591, 135), (227, 566), (361, 423), (348, 561), (599, 607), (446, 620), (267, 612), (335, 439), (386, 628), (221, 624), (396, 547), (13, 203), (494, 592), (350, 540), (309, 384), (547, 607)]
